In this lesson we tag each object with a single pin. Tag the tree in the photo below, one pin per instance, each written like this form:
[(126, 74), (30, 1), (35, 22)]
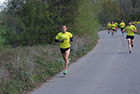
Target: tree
[(37, 21), (129, 9), (110, 11)]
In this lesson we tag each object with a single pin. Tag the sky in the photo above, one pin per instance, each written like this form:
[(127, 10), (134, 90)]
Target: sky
[(1, 1)]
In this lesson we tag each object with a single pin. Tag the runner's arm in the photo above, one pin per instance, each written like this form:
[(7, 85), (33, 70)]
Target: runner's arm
[(59, 40), (125, 31), (56, 40), (71, 39), (134, 30)]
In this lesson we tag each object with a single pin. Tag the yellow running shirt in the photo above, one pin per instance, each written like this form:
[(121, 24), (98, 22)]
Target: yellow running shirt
[(113, 26), (129, 31), (66, 37), (116, 24), (133, 23), (109, 25), (122, 24)]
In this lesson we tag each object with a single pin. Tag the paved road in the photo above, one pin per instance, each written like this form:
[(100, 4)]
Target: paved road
[(107, 69)]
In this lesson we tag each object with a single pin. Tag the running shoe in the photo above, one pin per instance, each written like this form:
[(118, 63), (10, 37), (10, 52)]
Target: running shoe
[(65, 72), (130, 51), (131, 45)]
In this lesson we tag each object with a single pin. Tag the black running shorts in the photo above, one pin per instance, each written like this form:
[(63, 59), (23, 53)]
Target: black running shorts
[(130, 37), (113, 29), (122, 29), (64, 50)]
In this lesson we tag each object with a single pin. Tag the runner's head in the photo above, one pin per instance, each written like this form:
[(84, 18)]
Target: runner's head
[(129, 23), (122, 20), (108, 22), (112, 22), (64, 29)]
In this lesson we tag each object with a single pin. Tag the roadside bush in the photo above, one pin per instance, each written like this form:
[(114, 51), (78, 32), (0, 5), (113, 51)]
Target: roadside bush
[(37, 22)]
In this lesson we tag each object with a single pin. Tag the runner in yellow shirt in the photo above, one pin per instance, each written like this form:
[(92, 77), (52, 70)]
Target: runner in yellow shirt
[(116, 26), (113, 28), (136, 22), (122, 25), (130, 29), (133, 23), (64, 38), (109, 27)]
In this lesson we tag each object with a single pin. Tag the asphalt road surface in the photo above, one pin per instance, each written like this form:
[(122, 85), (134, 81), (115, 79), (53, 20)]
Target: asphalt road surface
[(107, 69)]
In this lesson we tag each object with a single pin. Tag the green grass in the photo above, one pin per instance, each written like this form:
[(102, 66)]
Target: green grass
[(25, 68)]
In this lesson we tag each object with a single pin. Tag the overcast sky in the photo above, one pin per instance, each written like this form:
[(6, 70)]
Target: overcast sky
[(1, 1)]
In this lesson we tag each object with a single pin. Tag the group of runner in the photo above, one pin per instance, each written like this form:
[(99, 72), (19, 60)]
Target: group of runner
[(130, 29), (64, 38), (135, 22), (113, 27)]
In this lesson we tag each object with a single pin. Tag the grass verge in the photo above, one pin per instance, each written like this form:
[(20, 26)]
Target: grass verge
[(25, 68)]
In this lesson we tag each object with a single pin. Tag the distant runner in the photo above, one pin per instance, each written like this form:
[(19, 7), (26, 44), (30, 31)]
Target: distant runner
[(136, 22), (113, 28), (109, 27), (64, 38), (122, 25), (116, 26), (133, 23), (130, 29)]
